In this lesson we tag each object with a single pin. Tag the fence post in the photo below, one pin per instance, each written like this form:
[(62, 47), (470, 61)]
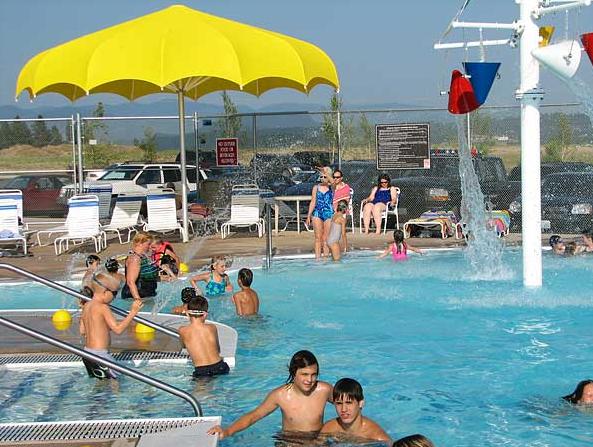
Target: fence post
[(254, 125), (339, 139), (79, 144), (268, 236), (73, 140), (197, 147)]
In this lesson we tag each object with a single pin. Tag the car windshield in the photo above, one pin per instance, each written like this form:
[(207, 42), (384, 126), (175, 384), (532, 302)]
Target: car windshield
[(20, 182), (122, 173), (568, 185), (303, 176), (439, 167)]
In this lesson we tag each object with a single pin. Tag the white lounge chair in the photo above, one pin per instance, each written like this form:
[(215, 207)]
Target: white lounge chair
[(390, 210), (245, 210), (162, 212), (125, 216), (82, 224), (103, 191), (9, 224), (17, 196)]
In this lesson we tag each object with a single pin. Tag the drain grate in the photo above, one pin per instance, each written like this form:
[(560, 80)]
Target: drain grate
[(124, 356), (105, 429)]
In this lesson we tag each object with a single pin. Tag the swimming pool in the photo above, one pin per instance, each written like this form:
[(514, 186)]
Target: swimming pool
[(463, 361)]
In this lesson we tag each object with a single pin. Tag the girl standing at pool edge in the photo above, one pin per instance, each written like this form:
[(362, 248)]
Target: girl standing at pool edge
[(399, 248)]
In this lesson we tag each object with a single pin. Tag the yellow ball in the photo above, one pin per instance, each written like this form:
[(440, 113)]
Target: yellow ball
[(143, 329), (61, 320), (183, 267), (144, 336)]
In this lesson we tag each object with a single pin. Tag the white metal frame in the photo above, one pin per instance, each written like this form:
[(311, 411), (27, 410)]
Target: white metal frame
[(125, 216), (245, 210), (162, 212)]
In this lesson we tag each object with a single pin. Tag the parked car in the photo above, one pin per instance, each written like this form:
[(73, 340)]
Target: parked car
[(207, 158), (313, 158), (567, 203), (40, 193), (96, 174)]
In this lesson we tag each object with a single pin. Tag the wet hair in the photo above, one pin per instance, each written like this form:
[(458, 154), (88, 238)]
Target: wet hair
[(416, 440), (570, 249), (157, 239), (588, 233), (398, 238), (103, 281), (384, 177), (188, 294), (87, 291), (141, 238), (90, 259), (576, 396), (299, 360), (197, 303), (555, 239), (216, 259), (111, 265), (349, 388), (342, 206), (246, 277)]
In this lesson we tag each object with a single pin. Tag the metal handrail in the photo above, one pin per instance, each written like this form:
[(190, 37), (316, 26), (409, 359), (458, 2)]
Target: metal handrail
[(268, 264), (74, 293), (113, 365)]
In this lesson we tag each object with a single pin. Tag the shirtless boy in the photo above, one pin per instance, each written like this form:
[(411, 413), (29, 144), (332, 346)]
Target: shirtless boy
[(349, 400), (302, 400), (201, 338), (97, 322), (246, 301)]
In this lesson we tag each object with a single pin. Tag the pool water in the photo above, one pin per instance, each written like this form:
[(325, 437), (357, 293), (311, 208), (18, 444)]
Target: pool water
[(466, 362)]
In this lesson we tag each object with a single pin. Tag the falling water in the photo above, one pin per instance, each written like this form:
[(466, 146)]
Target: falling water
[(583, 92), (484, 250), (73, 263)]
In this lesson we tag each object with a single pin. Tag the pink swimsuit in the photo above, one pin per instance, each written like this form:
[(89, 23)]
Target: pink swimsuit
[(399, 256)]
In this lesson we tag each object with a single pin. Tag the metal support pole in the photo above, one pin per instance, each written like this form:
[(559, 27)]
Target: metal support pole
[(197, 147), (268, 236), (181, 104), (102, 361), (339, 114), (469, 132), (73, 140), (254, 125), (79, 144)]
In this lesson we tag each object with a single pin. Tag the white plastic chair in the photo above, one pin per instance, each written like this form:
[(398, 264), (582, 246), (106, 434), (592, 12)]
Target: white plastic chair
[(390, 210), (245, 210), (17, 196), (82, 224), (103, 191), (125, 216), (9, 223), (162, 212)]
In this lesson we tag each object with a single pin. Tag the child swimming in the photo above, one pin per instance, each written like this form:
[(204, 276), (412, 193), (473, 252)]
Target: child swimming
[(246, 300), (399, 248), (337, 231), (217, 281)]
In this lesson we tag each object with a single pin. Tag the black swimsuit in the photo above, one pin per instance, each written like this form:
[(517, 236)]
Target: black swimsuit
[(147, 279)]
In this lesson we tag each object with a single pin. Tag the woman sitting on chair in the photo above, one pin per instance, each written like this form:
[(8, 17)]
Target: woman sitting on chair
[(374, 205)]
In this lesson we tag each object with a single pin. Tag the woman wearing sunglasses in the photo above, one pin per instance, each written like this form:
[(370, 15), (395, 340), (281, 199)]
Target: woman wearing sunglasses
[(321, 210), (375, 203)]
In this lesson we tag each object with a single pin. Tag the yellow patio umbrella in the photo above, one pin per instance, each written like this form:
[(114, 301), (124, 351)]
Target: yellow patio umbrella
[(177, 50)]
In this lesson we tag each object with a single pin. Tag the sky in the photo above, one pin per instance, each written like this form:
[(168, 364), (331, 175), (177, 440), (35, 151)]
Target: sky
[(383, 49)]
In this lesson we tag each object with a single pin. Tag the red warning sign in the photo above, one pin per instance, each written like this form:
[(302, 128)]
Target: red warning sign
[(227, 152)]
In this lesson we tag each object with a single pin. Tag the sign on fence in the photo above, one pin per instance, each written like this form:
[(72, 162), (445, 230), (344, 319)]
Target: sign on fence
[(402, 146), (227, 152)]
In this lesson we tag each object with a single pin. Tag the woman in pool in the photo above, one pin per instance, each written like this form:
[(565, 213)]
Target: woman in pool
[(321, 210), (141, 274), (399, 248), (217, 281), (374, 205), (582, 395)]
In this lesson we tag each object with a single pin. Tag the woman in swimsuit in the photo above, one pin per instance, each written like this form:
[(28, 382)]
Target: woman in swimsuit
[(321, 210), (217, 281), (336, 240), (399, 248), (341, 189), (374, 205), (141, 275)]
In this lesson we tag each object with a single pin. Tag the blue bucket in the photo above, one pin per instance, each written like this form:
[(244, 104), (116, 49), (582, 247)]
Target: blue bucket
[(482, 76)]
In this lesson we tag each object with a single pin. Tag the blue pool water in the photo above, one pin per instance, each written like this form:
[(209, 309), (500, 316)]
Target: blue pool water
[(466, 362)]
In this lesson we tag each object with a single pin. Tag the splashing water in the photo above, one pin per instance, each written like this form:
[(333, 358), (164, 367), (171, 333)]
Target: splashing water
[(75, 260), (484, 248), (583, 93)]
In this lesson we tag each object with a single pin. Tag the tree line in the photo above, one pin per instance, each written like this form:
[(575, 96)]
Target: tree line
[(35, 133)]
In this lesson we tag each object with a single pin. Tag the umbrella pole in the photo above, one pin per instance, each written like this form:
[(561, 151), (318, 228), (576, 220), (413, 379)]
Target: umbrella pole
[(181, 105)]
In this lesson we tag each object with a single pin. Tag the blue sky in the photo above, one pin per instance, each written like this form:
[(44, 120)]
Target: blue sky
[(382, 48)]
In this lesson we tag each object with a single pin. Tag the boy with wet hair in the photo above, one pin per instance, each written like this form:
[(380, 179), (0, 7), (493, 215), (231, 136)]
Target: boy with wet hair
[(557, 244), (246, 300), (302, 400), (97, 322), (587, 237), (186, 296), (201, 338), (349, 400)]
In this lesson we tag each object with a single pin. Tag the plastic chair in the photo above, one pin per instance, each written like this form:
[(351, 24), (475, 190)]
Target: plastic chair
[(390, 210), (125, 216), (162, 212), (82, 224), (9, 224), (245, 210)]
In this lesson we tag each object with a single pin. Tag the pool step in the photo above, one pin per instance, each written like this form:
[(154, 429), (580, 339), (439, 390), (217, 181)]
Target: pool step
[(180, 432)]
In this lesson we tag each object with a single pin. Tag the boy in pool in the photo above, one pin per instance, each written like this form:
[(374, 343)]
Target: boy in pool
[(349, 400), (246, 301), (97, 322), (201, 338), (557, 244), (587, 237), (302, 400)]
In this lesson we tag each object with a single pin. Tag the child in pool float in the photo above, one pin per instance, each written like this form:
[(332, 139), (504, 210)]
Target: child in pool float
[(201, 338), (217, 281), (246, 300), (336, 239), (165, 258), (399, 248)]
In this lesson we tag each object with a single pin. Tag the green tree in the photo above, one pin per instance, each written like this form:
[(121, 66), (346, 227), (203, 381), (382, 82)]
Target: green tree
[(6, 139), (368, 134), (482, 136), (41, 134), (148, 145), (20, 132), (230, 125), (559, 146), (55, 136), (95, 154), (329, 126)]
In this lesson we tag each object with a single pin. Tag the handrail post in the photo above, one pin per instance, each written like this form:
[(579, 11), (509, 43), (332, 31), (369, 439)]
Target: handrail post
[(268, 236), (113, 365)]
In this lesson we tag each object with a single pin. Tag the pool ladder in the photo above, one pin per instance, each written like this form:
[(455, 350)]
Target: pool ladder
[(88, 355)]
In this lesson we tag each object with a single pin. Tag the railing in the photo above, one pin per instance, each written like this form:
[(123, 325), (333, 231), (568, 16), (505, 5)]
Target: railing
[(268, 236), (113, 365), (74, 293)]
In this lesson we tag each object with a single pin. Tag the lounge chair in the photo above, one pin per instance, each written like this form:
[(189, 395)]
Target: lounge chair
[(82, 224), (17, 196), (125, 216), (497, 220), (390, 210), (444, 221), (103, 191), (10, 231), (162, 212), (245, 210)]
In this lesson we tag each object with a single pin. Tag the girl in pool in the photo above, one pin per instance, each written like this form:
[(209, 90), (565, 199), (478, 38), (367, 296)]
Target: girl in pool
[(337, 232), (399, 248), (321, 210), (217, 281), (582, 395)]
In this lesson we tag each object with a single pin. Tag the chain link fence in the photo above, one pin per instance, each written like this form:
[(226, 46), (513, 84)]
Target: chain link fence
[(280, 151)]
